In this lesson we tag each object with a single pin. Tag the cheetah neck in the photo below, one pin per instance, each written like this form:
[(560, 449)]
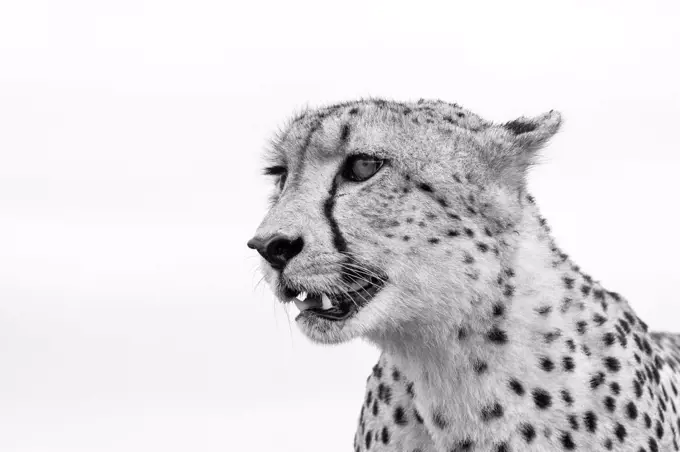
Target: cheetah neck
[(555, 322)]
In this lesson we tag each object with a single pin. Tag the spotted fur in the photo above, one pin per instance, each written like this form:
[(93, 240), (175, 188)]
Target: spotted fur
[(492, 338)]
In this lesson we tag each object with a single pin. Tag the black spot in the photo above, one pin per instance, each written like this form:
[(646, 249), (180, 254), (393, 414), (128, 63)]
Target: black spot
[(608, 339), (453, 233), (615, 387), (409, 389), (610, 403), (399, 416), (468, 259), (620, 432), (570, 345), (406, 238), (497, 336), (439, 420), (469, 232), (542, 398), (659, 430), (637, 387), (653, 447), (585, 290), (528, 432), (552, 336), (396, 375), (568, 363), (344, 132), (573, 421), (546, 364), (375, 409), (508, 290), (567, 397), (490, 412), (483, 247), (581, 326), (612, 364), (518, 127), (433, 240), (462, 333), (648, 421), (480, 367), (377, 371), (590, 421), (385, 435), (516, 386), (354, 111), (453, 216), (384, 393), (568, 282), (599, 319), (425, 187), (544, 310), (567, 441), (596, 380), (418, 417), (644, 326), (368, 439), (463, 446), (442, 202), (498, 310), (502, 447)]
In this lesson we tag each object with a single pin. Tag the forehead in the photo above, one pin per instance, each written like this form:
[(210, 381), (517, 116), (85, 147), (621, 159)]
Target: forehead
[(373, 126)]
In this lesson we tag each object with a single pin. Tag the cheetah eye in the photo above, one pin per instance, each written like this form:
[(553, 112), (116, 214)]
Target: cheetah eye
[(361, 167), (280, 171)]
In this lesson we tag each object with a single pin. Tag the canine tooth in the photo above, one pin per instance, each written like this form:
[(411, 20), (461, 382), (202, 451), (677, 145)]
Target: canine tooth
[(302, 296), (325, 302)]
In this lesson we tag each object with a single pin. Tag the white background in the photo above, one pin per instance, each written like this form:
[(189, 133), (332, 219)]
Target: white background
[(130, 141)]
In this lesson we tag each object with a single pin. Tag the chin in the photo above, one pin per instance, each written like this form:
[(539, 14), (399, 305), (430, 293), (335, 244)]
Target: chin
[(324, 331)]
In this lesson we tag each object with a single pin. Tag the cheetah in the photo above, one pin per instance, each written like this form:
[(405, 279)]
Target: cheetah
[(409, 225)]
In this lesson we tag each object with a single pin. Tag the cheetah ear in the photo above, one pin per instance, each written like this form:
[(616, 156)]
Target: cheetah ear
[(516, 144), (530, 134)]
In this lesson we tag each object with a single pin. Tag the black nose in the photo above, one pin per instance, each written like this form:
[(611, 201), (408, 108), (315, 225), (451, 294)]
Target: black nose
[(278, 250)]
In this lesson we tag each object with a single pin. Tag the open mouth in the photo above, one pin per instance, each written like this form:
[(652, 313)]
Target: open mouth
[(338, 305)]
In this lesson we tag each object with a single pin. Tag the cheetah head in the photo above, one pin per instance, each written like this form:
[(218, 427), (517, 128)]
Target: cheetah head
[(391, 219)]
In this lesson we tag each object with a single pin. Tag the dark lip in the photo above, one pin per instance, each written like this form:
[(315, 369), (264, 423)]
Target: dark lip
[(346, 304)]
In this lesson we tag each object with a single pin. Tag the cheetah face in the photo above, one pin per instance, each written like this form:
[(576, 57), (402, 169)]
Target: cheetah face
[(319, 269), (385, 221)]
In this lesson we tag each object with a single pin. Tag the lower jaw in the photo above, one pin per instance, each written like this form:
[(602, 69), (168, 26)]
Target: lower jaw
[(329, 317)]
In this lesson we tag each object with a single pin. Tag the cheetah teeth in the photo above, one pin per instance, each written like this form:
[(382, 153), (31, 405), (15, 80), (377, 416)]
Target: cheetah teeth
[(325, 302)]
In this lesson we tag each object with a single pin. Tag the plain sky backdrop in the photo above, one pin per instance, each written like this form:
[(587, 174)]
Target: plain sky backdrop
[(130, 141)]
